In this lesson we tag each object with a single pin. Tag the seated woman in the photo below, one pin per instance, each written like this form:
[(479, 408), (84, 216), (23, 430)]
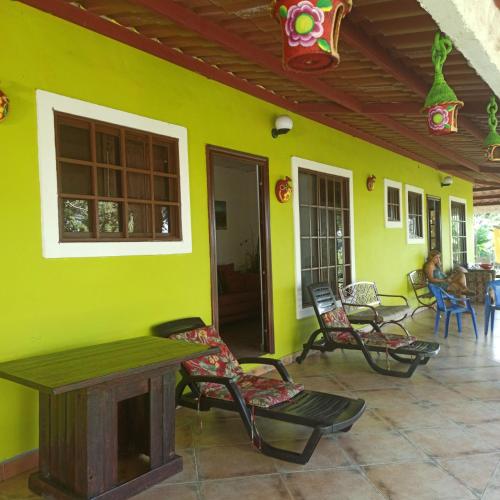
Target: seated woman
[(454, 283)]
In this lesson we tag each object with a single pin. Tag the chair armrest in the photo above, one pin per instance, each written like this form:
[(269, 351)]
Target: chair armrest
[(277, 363), (376, 318), (394, 296)]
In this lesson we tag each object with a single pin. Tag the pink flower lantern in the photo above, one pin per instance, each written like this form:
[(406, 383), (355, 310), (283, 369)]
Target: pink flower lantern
[(311, 31)]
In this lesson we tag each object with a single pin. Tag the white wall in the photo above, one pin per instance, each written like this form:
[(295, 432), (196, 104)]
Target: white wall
[(238, 188)]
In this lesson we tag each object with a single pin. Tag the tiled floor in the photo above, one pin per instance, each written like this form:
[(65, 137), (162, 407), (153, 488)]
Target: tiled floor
[(434, 436)]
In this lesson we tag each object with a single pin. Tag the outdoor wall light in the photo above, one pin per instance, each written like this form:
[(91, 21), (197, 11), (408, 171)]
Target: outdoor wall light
[(447, 181), (282, 125)]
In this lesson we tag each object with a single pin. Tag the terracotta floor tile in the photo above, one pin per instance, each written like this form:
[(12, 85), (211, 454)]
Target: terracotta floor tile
[(488, 432), (469, 412), (16, 488), (475, 471), (479, 390), (412, 416), (270, 487), (448, 442), (381, 398), (411, 481), (379, 448), (174, 491), (221, 462), (322, 383), (336, 484)]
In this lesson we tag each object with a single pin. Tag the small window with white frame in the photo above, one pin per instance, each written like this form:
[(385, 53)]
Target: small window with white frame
[(112, 183), (392, 204), (414, 214)]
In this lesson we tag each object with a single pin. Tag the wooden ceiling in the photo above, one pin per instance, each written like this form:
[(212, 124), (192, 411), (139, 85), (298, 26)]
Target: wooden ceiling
[(376, 92)]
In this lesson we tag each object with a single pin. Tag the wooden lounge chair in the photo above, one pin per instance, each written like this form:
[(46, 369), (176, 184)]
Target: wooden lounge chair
[(363, 305), (218, 381), (336, 332), (424, 296)]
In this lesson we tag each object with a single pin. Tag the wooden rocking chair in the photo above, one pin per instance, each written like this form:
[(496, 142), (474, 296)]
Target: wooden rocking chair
[(336, 332), (218, 381)]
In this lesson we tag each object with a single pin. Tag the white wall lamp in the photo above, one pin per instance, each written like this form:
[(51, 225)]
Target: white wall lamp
[(282, 125), (447, 181)]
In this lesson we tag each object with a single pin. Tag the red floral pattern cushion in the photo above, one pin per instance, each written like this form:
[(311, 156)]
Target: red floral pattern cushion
[(223, 364), (338, 319), (257, 391)]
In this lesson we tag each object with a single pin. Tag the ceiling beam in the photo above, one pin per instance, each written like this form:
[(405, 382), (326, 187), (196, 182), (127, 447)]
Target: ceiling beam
[(88, 20), (483, 189), (174, 11), (487, 197), (371, 49)]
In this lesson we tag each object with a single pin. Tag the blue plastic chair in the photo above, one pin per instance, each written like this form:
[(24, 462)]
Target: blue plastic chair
[(449, 304), (491, 304)]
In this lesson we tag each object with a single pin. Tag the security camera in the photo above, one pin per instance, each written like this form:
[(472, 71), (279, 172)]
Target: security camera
[(282, 125)]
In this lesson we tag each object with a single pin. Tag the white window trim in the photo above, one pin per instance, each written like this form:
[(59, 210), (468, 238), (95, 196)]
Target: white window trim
[(464, 202), (47, 103), (390, 223), (326, 169), (415, 241)]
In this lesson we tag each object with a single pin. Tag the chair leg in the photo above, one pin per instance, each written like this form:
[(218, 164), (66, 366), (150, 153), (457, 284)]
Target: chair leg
[(474, 322), (492, 313), (292, 456), (486, 317), (459, 322), (436, 322), (310, 345), (447, 324)]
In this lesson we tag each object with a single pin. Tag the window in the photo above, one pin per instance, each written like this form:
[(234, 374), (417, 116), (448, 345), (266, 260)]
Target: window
[(393, 216), (115, 183), (433, 223), (415, 214), (323, 212), (112, 183), (458, 214)]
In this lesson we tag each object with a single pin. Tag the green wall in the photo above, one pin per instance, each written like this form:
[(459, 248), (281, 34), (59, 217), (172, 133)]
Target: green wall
[(52, 304)]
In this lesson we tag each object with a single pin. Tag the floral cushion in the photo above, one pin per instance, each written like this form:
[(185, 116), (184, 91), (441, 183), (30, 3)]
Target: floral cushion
[(257, 391), (338, 319), (222, 364)]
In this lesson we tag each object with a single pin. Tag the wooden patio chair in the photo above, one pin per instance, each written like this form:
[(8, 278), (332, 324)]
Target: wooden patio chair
[(218, 381), (363, 305), (335, 332), (424, 296)]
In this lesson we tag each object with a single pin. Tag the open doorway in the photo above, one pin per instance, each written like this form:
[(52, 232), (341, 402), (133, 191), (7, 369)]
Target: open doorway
[(238, 187)]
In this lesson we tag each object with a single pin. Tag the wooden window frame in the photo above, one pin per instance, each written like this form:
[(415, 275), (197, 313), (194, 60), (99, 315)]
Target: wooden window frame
[(392, 224), (461, 201), (319, 169), (411, 239), (48, 105), (126, 173)]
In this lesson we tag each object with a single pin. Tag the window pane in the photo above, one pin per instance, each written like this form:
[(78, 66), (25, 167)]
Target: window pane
[(165, 158), (109, 182), (138, 186), (165, 189), (322, 192), (305, 221), (331, 197), (322, 222), (338, 195), (306, 281), (305, 253), (139, 219), (74, 141), (137, 151), (107, 142), (314, 222), (76, 179), (76, 216), (109, 216), (314, 253), (167, 221), (307, 189)]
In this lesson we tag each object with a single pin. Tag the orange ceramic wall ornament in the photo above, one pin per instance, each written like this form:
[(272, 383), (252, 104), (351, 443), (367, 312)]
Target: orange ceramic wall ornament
[(283, 190), (370, 182), (4, 106)]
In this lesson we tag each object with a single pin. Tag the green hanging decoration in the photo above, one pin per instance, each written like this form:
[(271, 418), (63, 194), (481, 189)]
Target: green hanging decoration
[(441, 104), (492, 141)]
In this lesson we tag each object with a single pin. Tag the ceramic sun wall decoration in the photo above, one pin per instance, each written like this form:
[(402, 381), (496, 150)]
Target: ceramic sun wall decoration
[(441, 104), (4, 106), (283, 190), (492, 141), (310, 30)]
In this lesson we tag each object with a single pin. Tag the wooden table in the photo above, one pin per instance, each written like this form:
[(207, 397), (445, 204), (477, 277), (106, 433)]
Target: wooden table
[(107, 416)]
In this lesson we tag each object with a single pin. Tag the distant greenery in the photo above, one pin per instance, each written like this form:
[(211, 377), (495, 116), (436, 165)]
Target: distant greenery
[(483, 235)]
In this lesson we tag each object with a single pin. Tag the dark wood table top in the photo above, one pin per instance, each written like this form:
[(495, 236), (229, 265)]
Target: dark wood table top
[(65, 371)]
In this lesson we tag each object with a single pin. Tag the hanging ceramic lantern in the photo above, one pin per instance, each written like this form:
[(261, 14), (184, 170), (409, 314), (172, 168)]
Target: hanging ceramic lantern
[(441, 104), (4, 106), (492, 141), (311, 31)]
